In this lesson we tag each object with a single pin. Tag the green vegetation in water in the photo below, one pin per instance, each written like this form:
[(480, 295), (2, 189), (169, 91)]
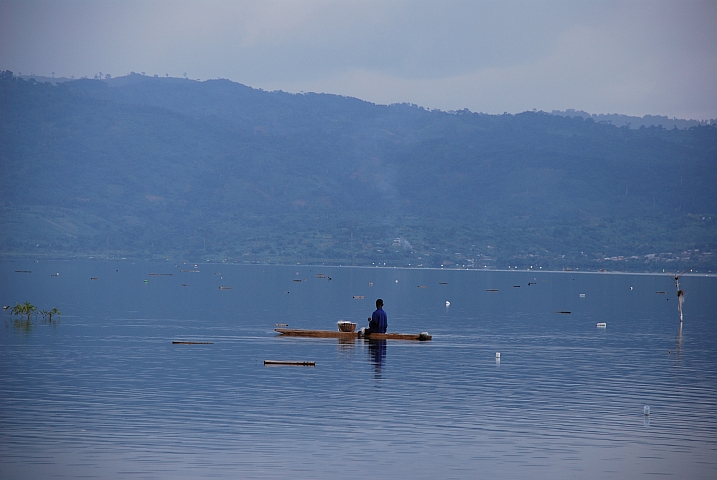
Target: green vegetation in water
[(24, 313), (24, 309), (48, 314)]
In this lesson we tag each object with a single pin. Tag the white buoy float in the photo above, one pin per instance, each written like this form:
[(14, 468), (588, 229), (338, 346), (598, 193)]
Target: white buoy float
[(602, 325), (497, 354), (646, 410), (448, 304)]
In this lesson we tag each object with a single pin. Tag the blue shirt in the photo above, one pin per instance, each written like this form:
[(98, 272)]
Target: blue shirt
[(378, 322)]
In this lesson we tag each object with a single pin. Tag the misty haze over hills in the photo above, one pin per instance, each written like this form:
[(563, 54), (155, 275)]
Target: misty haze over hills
[(154, 167)]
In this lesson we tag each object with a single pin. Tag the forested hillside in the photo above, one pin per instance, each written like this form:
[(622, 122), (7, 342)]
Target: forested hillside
[(172, 168)]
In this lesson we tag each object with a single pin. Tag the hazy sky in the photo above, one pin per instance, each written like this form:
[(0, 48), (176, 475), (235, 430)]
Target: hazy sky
[(631, 57)]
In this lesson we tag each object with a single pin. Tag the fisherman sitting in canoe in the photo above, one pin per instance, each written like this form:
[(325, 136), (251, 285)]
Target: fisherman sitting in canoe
[(378, 321)]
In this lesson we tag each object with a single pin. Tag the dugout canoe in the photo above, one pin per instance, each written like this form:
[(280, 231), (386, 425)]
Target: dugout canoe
[(290, 332)]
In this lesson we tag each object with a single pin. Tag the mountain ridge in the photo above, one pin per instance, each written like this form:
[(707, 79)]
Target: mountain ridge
[(145, 166)]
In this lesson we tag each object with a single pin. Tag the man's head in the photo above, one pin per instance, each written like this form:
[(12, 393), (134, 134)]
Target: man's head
[(379, 303)]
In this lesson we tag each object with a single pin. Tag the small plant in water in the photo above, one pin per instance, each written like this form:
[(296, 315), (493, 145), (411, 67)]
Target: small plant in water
[(24, 309), (48, 314)]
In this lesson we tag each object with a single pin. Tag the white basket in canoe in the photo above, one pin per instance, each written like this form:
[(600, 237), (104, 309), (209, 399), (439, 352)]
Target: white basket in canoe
[(346, 326)]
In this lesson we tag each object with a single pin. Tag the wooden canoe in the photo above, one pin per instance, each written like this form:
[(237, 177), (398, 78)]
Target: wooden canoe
[(290, 332)]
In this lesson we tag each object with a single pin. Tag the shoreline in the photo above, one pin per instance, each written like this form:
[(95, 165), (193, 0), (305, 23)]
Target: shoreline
[(36, 258)]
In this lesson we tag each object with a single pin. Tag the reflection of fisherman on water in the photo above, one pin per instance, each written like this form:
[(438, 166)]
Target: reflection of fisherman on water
[(377, 354), (376, 348)]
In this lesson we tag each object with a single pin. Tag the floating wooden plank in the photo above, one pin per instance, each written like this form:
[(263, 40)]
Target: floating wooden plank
[(661, 293), (348, 335), (492, 290), (442, 283), (289, 362), (423, 286), (564, 312), (225, 288), (23, 271), (160, 274), (95, 278), (359, 297), (191, 343), (422, 337)]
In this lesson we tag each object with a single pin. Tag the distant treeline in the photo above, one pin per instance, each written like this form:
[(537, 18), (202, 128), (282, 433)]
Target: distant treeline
[(646, 121), (141, 166)]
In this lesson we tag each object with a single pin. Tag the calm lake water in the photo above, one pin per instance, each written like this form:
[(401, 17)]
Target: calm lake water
[(103, 393)]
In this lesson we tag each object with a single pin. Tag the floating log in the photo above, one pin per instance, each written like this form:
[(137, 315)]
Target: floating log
[(423, 286), (23, 271), (442, 283), (348, 335), (661, 293), (95, 278), (191, 343), (289, 362), (492, 290), (190, 271), (565, 312), (160, 274), (359, 297), (225, 288)]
